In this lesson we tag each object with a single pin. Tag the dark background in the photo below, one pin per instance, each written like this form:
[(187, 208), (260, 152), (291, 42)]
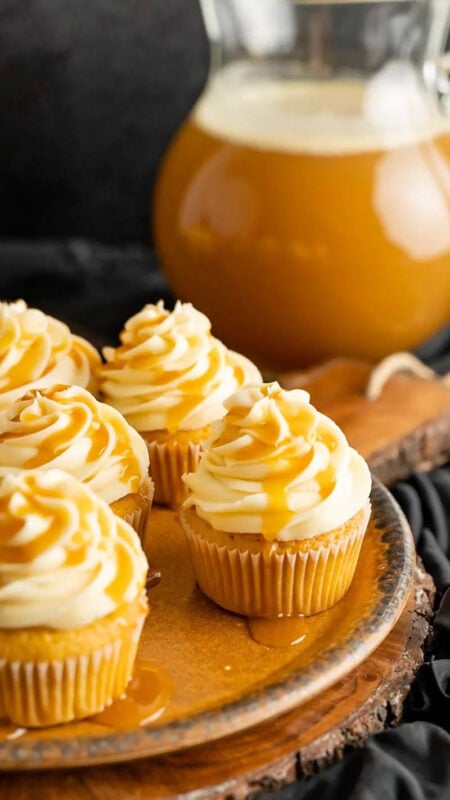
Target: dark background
[(90, 94)]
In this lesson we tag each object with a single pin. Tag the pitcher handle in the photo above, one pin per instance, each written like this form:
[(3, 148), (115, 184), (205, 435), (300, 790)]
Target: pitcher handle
[(443, 81), (436, 69)]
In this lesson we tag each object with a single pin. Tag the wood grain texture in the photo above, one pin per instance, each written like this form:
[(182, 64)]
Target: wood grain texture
[(272, 754)]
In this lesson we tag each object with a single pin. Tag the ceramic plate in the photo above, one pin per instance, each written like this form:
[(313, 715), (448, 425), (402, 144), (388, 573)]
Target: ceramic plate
[(216, 679)]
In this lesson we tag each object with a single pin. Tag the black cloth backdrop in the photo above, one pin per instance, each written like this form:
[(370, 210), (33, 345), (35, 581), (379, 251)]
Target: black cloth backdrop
[(96, 287), (90, 95)]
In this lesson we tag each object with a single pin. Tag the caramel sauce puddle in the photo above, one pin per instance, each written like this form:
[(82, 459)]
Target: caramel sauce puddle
[(279, 631), (144, 700)]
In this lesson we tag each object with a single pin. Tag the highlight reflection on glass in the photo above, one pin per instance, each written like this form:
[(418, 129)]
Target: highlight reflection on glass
[(305, 204)]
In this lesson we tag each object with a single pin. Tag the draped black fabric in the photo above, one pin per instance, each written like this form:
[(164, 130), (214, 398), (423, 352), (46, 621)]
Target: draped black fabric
[(408, 763), (91, 93), (95, 288)]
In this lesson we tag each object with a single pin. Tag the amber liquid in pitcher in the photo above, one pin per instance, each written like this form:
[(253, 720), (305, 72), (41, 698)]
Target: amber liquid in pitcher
[(303, 225)]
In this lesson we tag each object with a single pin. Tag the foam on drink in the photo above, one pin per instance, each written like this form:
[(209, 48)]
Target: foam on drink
[(390, 109)]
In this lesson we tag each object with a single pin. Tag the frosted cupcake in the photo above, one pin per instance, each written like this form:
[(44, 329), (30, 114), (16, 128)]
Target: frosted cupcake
[(37, 350), (72, 599), (66, 428), (170, 378), (278, 507)]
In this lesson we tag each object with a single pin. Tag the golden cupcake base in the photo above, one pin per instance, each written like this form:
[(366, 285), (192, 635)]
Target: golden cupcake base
[(37, 693), (247, 574)]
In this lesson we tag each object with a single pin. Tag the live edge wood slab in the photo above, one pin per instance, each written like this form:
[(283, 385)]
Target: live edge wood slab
[(267, 756)]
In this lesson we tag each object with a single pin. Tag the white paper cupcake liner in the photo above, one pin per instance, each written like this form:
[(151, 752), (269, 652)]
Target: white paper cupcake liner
[(138, 518), (279, 582), (49, 693), (168, 462)]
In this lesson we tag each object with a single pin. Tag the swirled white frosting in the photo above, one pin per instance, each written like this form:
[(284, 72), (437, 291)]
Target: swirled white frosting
[(65, 558), (65, 427), (275, 466), (37, 350), (170, 373)]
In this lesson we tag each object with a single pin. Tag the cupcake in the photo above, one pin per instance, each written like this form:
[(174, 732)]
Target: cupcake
[(169, 378), (72, 599), (277, 508), (37, 350), (65, 427)]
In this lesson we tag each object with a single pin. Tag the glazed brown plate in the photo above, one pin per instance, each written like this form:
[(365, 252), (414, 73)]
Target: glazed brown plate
[(215, 679)]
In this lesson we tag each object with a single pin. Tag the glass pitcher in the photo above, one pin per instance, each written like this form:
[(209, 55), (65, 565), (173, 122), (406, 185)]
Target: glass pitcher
[(304, 206)]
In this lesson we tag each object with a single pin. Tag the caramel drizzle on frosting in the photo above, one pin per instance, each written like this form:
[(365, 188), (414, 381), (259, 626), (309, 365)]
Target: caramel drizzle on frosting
[(27, 354), (274, 442), (191, 389), (124, 572), (71, 526), (14, 510), (171, 365), (86, 418), (33, 343)]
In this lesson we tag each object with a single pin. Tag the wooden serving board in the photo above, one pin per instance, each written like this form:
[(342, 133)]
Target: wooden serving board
[(268, 755)]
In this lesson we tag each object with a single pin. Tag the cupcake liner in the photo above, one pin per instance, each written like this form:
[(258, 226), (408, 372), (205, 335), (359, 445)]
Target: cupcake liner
[(168, 462), (37, 694), (279, 580), (138, 517), (142, 501)]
